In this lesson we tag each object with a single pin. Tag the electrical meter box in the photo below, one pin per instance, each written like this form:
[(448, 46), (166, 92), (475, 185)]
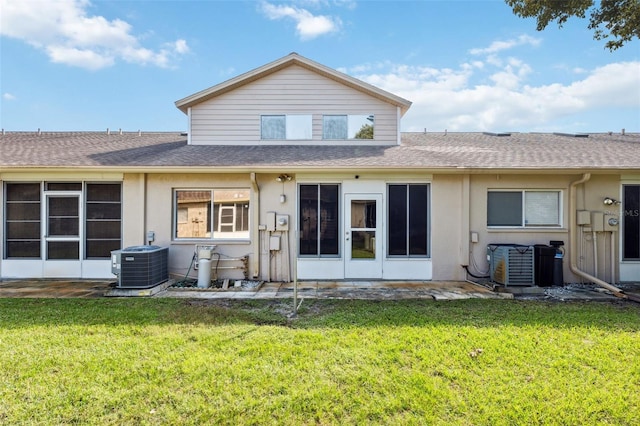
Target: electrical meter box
[(611, 223), (282, 222)]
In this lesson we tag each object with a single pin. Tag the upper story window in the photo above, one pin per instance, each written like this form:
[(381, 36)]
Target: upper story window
[(348, 126), (212, 214), (290, 126), (524, 208)]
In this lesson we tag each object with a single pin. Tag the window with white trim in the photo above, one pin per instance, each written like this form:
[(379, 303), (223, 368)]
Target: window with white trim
[(524, 208), (211, 214), (286, 127), (348, 126)]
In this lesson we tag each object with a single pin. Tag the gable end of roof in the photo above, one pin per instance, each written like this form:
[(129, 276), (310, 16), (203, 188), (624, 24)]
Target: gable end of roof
[(292, 59)]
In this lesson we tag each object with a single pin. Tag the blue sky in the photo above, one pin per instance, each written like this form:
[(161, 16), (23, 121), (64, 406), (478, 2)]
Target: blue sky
[(465, 65)]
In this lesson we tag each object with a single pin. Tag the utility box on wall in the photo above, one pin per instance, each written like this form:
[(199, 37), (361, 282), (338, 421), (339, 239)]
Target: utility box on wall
[(611, 223), (274, 243), (282, 222), (597, 221)]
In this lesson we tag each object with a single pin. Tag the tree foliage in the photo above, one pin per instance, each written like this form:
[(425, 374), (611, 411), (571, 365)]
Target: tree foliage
[(615, 20), (365, 132)]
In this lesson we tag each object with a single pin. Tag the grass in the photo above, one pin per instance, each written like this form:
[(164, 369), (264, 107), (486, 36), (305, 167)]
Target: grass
[(169, 361)]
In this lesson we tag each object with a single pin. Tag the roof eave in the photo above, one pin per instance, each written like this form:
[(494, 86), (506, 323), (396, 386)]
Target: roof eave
[(212, 169)]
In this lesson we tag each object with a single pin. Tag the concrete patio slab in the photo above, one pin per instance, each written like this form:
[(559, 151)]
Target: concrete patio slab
[(53, 288), (367, 290)]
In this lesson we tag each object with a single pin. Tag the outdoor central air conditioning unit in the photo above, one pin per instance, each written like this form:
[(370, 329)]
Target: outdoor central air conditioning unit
[(511, 264), (140, 266)]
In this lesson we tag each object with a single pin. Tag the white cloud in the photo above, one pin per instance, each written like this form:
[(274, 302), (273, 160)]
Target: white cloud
[(451, 99), (64, 30), (498, 46), (308, 26), (8, 97), (180, 46), (494, 93)]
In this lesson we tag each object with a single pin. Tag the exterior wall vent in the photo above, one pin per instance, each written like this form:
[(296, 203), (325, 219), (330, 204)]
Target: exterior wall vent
[(499, 134), (572, 135)]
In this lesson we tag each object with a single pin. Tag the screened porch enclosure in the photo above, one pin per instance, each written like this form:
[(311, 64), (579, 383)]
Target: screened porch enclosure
[(54, 229)]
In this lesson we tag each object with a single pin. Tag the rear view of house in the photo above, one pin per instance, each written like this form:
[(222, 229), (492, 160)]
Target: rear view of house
[(295, 168)]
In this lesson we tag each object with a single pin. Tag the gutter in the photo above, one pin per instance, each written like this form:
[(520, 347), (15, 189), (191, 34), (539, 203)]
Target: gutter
[(573, 235), (255, 231)]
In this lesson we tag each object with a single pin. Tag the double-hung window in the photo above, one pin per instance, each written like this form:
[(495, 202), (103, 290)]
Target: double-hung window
[(286, 127), (318, 221), (408, 220), (348, 126), (211, 214), (524, 208)]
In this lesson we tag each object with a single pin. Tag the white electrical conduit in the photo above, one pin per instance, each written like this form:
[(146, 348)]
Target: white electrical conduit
[(595, 253), (573, 240), (613, 258)]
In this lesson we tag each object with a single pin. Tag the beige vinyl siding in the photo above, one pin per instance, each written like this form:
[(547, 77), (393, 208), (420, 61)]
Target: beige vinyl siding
[(234, 117)]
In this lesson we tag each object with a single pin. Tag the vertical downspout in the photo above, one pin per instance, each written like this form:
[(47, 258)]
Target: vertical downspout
[(255, 231), (466, 221), (143, 188), (573, 264)]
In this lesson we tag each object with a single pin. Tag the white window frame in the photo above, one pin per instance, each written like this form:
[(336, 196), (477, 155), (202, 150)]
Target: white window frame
[(352, 126), (297, 126), (523, 199), (215, 228)]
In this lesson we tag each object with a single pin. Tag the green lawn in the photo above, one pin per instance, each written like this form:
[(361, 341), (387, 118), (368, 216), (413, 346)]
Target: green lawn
[(170, 361)]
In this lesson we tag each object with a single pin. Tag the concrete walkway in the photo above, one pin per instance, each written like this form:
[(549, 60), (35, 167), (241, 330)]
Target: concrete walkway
[(53, 288), (372, 290), (376, 290)]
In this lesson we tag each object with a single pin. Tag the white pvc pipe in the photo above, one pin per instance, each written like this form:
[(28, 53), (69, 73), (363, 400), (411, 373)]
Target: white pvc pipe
[(295, 274), (595, 253), (613, 257)]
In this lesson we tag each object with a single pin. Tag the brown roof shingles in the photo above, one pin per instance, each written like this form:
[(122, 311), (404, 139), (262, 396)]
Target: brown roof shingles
[(418, 150)]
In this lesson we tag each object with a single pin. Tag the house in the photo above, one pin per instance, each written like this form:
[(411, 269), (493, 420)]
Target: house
[(296, 168)]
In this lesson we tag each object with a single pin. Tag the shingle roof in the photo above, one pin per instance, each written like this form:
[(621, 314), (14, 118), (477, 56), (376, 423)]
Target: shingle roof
[(452, 151)]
